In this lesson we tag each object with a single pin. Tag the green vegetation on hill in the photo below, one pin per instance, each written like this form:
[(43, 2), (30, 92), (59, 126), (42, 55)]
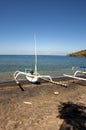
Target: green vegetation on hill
[(81, 53)]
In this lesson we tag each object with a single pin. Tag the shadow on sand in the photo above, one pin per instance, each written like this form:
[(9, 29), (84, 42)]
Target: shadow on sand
[(74, 116)]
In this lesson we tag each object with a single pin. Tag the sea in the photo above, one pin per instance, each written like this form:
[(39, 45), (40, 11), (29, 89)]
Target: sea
[(47, 64)]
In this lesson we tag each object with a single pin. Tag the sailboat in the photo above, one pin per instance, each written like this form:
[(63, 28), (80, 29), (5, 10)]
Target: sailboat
[(32, 76)]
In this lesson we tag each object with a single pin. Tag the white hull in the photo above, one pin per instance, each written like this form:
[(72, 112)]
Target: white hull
[(33, 79)]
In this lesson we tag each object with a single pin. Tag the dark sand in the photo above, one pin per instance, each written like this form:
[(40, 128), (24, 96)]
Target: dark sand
[(45, 110)]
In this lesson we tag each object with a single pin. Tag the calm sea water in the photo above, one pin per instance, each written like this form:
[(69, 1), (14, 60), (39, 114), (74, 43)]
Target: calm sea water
[(52, 65)]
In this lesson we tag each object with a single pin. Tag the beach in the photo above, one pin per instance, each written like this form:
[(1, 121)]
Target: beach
[(44, 106), (44, 42)]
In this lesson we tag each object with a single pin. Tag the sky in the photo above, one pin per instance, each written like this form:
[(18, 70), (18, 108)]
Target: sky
[(59, 26)]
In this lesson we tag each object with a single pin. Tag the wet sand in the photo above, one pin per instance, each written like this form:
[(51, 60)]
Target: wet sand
[(45, 106)]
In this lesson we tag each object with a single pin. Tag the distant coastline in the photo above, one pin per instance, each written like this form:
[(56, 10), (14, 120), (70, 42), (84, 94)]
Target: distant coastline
[(81, 53)]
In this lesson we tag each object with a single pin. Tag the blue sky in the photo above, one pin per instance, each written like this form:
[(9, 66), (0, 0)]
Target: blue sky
[(60, 26)]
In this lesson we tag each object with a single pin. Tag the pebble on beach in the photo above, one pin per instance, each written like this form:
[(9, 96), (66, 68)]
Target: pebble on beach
[(56, 93)]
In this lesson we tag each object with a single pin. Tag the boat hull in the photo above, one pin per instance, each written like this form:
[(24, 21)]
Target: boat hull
[(34, 80)]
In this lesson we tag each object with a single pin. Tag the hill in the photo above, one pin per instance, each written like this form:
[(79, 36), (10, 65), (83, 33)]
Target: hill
[(81, 53)]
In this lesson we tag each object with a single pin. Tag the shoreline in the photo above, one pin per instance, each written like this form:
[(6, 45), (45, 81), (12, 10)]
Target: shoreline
[(23, 80)]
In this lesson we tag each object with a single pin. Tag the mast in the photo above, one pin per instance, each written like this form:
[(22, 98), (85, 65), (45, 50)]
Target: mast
[(35, 71)]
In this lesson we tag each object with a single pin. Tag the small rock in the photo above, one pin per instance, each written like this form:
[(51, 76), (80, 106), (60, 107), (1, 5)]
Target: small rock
[(56, 93)]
